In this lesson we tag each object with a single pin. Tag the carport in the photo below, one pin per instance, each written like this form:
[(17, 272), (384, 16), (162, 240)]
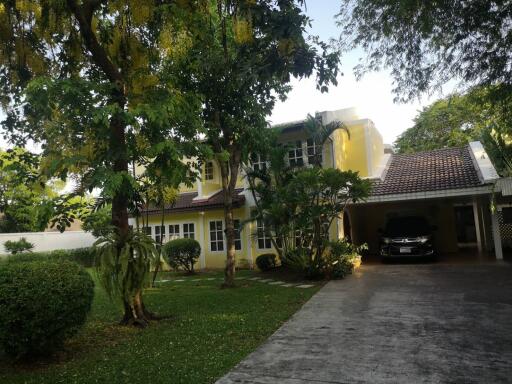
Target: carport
[(451, 188)]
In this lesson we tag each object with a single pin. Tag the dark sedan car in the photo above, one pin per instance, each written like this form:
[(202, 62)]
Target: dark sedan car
[(407, 237)]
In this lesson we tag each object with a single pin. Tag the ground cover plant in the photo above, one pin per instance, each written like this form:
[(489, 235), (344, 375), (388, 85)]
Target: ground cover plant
[(211, 330)]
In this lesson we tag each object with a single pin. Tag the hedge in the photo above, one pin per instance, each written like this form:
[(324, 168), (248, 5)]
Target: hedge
[(83, 256), (42, 304)]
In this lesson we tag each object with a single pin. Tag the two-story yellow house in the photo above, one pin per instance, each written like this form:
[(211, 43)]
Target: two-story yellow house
[(198, 210), (451, 188)]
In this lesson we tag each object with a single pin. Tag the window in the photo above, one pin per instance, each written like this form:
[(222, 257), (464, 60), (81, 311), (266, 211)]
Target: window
[(159, 232), (146, 231), (295, 154), (216, 236), (314, 152), (258, 162), (238, 237), (263, 236), (174, 231), (208, 170), (188, 231)]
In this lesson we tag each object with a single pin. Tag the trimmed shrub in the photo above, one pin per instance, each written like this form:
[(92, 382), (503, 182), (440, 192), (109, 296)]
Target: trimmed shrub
[(43, 304), (20, 246), (83, 256), (266, 262), (182, 253)]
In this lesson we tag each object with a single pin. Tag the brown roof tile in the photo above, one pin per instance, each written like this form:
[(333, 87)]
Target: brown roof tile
[(186, 203), (440, 169)]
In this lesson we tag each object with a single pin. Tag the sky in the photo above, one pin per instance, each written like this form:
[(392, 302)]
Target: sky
[(372, 95)]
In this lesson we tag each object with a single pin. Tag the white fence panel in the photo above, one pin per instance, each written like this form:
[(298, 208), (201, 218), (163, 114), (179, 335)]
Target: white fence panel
[(50, 241)]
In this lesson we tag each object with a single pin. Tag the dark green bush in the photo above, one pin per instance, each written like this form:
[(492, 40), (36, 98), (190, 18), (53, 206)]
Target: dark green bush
[(82, 256), (341, 258), (19, 246), (182, 253), (42, 304), (266, 262)]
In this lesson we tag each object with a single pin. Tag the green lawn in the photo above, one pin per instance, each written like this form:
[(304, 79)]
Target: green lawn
[(210, 331)]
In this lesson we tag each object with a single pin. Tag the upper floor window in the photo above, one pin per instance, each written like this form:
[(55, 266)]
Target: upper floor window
[(314, 152), (208, 170), (264, 241), (295, 154), (216, 236), (258, 162), (174, 231), (188, 231)]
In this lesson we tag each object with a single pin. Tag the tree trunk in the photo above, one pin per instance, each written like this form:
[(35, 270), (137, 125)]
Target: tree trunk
[(159, 261), (229, 272), (229, 174)]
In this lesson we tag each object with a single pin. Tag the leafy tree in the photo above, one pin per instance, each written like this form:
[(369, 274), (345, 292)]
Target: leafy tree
[(98, 221), (93, 83), (241, 62), (427, 43), (299, 205), (25, 200), (460, 118)]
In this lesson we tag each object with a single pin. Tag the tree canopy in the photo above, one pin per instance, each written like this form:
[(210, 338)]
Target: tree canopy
[(241, 63), (92, 83), (460, 118), (427, 43)]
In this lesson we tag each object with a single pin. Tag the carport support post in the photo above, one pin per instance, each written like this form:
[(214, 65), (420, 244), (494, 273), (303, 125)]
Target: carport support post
[(496, 235), (477, 225)]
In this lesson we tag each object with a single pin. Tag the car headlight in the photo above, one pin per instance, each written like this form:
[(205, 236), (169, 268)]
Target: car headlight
[(386, 240), (423, 239)]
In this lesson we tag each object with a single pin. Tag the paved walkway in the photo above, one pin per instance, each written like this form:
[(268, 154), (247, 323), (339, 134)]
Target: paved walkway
[(254, 279), (395, 324)]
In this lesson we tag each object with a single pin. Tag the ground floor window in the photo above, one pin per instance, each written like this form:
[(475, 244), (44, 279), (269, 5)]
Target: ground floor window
[(174, 231), (216, 236), (147, 231), (238, 236), (160, 233), (189, 231), (264, 241)]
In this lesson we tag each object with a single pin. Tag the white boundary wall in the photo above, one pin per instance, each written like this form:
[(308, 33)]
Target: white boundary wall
[(50, 241)]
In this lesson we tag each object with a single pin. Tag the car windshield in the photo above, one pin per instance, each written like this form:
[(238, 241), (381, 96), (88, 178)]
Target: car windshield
[(407, 227)]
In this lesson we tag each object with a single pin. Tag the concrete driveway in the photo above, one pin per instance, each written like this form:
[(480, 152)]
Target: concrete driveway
[(395, 324)]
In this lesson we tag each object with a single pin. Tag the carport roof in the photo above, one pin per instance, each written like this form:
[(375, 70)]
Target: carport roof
[(436, 170)]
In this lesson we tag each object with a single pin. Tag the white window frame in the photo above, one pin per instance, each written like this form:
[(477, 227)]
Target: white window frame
[(258, 162), (148, 231), (260, 229), (296, 154), (217, 231), (209, 170), (173, 235), (187, 233), (238, 234), (316, 151), (159, 231)]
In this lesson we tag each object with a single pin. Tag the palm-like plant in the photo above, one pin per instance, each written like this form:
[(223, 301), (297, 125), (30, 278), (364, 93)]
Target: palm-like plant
[(123, 267)]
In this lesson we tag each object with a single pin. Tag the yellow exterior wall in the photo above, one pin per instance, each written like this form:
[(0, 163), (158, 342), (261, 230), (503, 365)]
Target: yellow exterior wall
[(342, 151)]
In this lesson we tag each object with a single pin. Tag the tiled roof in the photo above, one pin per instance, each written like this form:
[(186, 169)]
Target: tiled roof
[(440, 169), (186, 203)]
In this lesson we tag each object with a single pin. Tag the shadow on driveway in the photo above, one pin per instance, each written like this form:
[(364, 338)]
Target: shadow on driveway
[(432, 323)]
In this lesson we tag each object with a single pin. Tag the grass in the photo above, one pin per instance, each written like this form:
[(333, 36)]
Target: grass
[(210, 331)]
